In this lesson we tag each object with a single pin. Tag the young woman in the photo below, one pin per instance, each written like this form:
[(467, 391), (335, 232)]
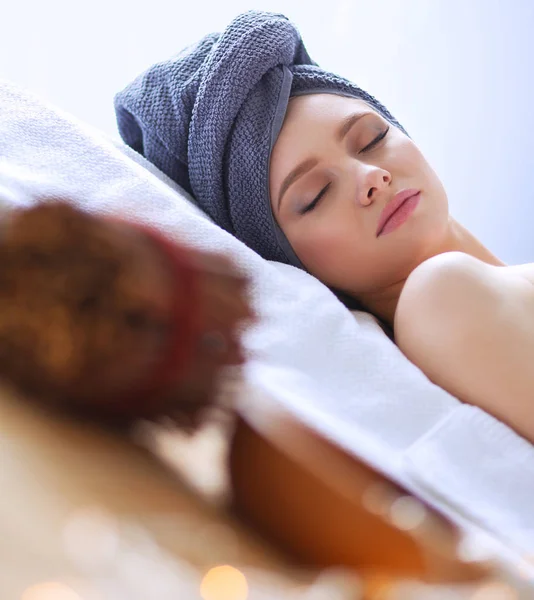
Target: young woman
[(368, 216), (307, 168)]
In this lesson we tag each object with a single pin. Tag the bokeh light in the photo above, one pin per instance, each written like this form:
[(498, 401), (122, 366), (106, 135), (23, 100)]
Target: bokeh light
[(378, 497), (224, 583), (407, 513), (50, 590)]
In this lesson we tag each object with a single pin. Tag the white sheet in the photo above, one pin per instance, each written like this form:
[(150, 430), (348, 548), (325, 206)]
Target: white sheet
[(337, 370)]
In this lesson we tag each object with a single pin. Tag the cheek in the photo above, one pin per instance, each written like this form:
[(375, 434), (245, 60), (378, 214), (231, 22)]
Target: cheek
[(411, 163), (405, 159), (436, 196), (317, 252), (328, 251)]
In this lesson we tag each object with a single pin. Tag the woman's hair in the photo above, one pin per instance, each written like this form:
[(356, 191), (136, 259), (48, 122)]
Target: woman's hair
[(210, 116)]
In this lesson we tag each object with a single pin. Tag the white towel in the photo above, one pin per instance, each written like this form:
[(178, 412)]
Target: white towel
[(337, 370)]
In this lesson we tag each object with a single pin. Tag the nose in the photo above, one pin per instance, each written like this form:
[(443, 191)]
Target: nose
[(372, 181)]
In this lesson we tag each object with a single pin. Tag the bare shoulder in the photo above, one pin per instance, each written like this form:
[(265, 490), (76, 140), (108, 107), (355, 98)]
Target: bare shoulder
[(453, 290), (444, 287), (469, 327), (526, 271)]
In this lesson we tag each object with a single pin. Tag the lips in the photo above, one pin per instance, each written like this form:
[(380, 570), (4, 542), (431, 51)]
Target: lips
[(398, 200)]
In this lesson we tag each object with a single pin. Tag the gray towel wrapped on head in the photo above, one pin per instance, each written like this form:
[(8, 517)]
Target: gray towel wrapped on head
[(210, 116)]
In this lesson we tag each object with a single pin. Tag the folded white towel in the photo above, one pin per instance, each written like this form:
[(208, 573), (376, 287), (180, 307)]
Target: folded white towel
[(337, 370)]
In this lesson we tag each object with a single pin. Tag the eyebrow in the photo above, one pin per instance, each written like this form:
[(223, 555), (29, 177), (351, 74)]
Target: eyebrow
[(308, 164)]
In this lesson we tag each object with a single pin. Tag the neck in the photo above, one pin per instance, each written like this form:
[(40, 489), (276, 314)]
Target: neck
[(458, 239)]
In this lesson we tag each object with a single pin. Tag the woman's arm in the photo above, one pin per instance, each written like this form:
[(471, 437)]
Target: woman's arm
[(470, 328)]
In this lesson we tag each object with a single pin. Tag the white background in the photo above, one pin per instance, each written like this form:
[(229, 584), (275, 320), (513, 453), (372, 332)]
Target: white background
[(456, 73)]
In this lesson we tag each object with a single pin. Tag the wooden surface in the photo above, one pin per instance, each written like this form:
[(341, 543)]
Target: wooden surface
[(59, 480), (85, 508), (328, 508)]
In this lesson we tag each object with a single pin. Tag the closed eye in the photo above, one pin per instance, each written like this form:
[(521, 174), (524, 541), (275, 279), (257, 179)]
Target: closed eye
[(315, 201), (376, 141)]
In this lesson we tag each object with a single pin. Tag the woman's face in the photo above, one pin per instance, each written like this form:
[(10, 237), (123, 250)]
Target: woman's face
[(329, 211)]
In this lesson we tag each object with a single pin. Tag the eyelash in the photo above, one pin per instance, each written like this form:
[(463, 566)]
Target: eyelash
[(370, 146), (377, 139)]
